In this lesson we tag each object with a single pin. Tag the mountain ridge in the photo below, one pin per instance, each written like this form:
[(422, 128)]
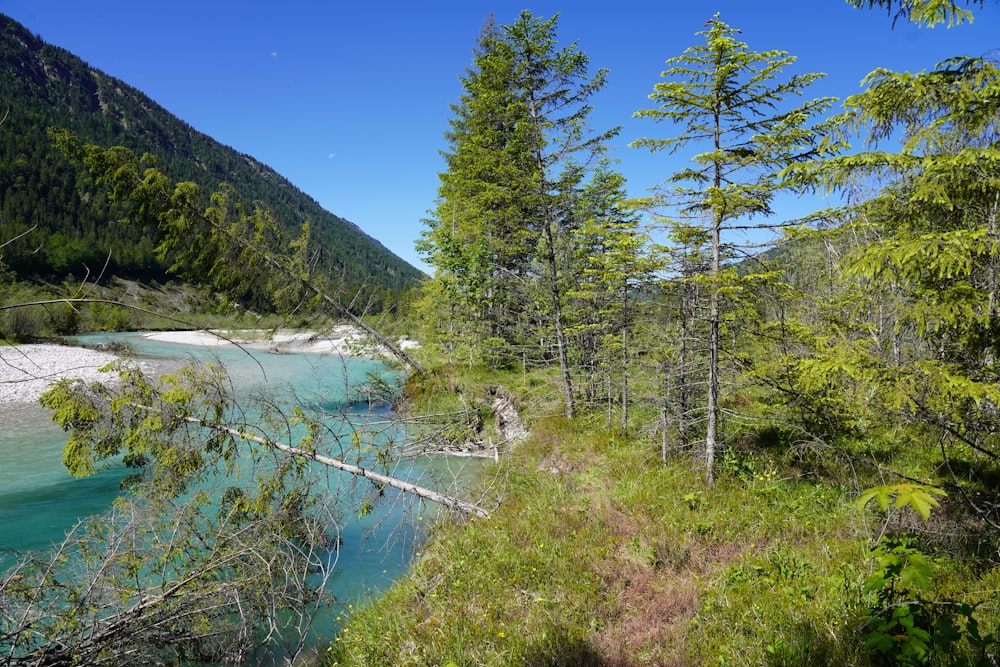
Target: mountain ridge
[(43, 85)]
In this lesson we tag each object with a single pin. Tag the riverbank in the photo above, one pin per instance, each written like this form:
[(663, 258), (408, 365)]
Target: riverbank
[(343, 340), (599, 554), (26, 371)]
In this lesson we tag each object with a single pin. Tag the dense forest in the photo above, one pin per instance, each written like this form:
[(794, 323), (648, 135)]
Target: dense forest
[(752, 440), (68, 221)]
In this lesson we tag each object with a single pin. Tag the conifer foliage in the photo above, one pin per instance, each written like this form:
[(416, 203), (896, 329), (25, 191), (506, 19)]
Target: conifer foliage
[(500, 236), (729, 100)]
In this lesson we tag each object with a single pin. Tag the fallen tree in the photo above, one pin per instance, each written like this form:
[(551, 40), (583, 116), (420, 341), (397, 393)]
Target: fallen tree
[(225, 539)]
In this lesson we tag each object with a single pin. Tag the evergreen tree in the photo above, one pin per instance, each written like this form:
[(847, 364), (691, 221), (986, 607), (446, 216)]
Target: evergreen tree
[(727, 98), (923, 12), (500, 236), (616, 266), (477, 238), (925, 348)]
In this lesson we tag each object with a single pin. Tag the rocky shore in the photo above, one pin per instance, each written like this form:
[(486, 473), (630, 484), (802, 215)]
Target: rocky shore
[(26, 371)]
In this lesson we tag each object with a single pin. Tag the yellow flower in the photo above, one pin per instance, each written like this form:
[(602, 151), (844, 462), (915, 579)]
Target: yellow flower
[(500, 634)]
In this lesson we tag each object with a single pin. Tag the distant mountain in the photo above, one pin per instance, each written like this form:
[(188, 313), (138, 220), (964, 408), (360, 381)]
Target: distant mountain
[(44, 86)]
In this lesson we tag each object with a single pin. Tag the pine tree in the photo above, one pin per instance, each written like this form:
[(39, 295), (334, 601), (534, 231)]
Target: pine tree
[(477, 239), (923, 12), (616, 266), (929, 261)]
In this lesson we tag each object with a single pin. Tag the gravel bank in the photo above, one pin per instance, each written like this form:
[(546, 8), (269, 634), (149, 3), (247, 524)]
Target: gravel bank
[(26, 371)]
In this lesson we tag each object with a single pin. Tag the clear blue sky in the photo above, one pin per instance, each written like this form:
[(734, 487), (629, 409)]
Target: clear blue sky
[(350, 100)]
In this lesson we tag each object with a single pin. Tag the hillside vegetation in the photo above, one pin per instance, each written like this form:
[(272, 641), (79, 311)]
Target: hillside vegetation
[(68, 225)]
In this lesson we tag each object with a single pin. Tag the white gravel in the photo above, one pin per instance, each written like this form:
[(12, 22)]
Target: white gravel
[(26, 371)]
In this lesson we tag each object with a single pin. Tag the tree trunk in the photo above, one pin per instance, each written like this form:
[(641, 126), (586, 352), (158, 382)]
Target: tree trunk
[(625, 378), (713, 340), (662, 368), (556, 295), (683, 399), (407, 487)]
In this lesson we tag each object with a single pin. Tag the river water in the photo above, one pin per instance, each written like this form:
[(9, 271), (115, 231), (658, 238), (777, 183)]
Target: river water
[(39, 501)]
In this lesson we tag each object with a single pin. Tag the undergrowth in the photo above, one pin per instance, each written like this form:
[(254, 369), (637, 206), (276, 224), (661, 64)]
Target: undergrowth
[(602, 554)]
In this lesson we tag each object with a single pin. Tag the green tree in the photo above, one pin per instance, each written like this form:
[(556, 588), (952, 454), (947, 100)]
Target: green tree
[(925, 12), (617, 266), (729, 99), (517, 142), (478, 238), (931, 257), (557, 89)]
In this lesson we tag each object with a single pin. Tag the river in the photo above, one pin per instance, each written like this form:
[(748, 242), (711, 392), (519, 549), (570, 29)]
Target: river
[(39, 501)]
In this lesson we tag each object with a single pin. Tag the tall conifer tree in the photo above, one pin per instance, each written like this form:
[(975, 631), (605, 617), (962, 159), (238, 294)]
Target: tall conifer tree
[(519, 147), (728, 99)]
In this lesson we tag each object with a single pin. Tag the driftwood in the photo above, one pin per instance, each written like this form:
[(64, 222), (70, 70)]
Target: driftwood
[(506, 421)]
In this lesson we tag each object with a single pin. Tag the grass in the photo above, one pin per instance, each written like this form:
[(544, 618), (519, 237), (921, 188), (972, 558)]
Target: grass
[(603, 555)]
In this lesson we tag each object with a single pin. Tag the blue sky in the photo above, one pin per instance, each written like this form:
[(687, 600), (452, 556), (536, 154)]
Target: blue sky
[(350, 101)]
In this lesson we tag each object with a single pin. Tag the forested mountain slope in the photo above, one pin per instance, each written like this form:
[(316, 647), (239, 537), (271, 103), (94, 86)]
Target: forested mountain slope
[(43, 86)]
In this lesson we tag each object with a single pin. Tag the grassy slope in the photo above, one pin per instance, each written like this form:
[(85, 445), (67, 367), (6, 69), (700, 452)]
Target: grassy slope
[(601, 554)]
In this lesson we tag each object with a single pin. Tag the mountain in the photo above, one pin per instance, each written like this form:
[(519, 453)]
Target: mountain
[(74, 231)]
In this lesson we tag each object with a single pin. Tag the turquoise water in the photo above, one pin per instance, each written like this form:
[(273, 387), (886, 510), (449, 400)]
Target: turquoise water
[(39, 501)]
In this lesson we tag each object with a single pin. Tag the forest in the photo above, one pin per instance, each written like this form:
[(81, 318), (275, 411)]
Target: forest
[(56, 222), (752, 440)]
